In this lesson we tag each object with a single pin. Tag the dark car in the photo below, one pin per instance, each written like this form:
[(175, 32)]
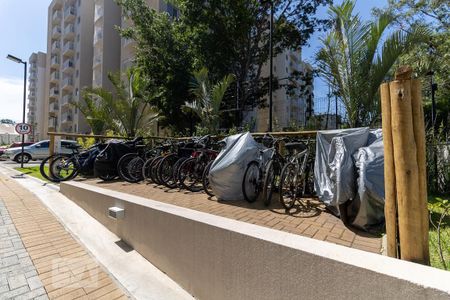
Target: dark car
[(14, 145)]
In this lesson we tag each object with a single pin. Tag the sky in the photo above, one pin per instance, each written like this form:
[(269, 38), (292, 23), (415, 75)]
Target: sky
[(23, 30)]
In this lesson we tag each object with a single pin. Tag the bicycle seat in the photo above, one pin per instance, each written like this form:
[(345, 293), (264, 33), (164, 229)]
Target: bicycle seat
[(295, 146)]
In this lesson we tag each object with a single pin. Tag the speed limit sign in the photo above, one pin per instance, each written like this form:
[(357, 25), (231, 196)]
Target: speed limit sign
[(23, 128)]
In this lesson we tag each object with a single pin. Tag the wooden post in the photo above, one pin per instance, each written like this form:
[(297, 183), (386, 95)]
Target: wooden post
[(390, 204), (419, 135), (413, 234), (51, 146)]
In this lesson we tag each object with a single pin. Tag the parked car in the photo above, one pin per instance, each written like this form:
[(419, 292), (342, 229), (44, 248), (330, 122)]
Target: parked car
[(39, 150), (13, 145)]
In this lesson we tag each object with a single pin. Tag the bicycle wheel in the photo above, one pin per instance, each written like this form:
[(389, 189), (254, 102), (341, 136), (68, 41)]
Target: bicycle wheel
[(64, 168), (289, 188), (251, 184), (205, 180), (190, 174), (176, 169), (134, 169), (165, 170), (122, 166), (271, 180), (154, 169), (44, 167), (146, 169)]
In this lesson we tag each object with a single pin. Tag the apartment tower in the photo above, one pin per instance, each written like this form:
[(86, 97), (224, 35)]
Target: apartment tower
[(289, 105), (106, 42), (69, 62), (36, 96)]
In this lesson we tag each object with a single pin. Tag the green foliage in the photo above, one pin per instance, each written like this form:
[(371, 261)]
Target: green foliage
[(356, 57), (207, 99), (225, 36), (33, 171), (126, 111), (439, 235), (432, 56), (86, 142), (164, 57)]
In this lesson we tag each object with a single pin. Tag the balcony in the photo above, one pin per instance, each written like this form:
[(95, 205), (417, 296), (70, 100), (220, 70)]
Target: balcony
[(31, 95), (98, 36), (54, 92), (32, 75), (67, 84), (69, 13), (54, 108), (54, 77), (56, 46), (54, 62), (32, 66), (31, 105), (66, 118), (68, 66), (69, 49), (32, 86), (69, 32), (66, 101), (98, 13), (97, 61), (56, 17), (127, 42), (56, 32)]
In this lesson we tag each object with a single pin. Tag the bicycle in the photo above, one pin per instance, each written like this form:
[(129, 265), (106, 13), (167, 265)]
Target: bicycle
[(297, 176), (130, 165), (44, 167), (205, 176), (254, 179), (190, 173), (64, 167)]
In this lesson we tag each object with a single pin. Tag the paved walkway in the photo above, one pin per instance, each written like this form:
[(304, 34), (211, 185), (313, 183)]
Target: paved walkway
[(41, 258), (315, 222)]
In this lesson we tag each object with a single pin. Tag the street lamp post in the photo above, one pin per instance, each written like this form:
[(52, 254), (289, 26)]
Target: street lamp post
[(271, 65), (18, 60)]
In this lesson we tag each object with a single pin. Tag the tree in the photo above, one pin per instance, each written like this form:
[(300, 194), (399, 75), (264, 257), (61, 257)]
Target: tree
[(225, 36), (433, 56), (126, 110), (163, 55), (232, 37), (208, 98), (356, 57)]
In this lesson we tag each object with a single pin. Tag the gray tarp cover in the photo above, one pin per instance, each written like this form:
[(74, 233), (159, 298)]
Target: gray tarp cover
[(349, 165), (227, 170)]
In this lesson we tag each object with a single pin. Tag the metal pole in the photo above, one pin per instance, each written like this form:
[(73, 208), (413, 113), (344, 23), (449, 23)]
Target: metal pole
[(271, 66), (24, 102)]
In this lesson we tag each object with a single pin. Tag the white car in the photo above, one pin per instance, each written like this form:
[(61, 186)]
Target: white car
[(39, 150)]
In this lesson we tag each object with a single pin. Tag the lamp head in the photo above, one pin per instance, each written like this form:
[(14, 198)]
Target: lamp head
[(14, 59)]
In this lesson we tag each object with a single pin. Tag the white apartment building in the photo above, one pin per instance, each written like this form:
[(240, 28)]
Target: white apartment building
[(289, 107), (69, 62), (36, 96), (106, 42)]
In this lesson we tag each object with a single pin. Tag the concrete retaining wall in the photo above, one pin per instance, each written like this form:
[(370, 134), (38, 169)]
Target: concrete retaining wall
[(218, 258)]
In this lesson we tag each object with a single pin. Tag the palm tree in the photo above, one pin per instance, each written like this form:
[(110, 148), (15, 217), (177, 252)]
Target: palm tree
[(355, 59), (208, 98), (126, 110), (94, 111)]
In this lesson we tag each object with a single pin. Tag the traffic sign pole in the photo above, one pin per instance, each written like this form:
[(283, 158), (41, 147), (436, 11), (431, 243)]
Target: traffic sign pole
[(23, 128)]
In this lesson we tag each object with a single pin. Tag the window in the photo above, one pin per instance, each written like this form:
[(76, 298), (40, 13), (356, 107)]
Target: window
[(286, 57), (77, 73), (274, 68), (78, 37), (44, 144), (78, 20), (78, 55), (65, 144), (76, 92)]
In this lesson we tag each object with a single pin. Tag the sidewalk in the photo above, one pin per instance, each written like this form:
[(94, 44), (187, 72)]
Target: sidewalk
[(41, 258)]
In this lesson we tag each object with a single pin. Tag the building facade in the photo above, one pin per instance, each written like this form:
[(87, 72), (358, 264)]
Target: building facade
[(291, 106), (37, 114), (69, 62), (106, 42)]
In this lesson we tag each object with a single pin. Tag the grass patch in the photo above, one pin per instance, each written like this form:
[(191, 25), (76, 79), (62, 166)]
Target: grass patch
[(437, 206), (33, 171)]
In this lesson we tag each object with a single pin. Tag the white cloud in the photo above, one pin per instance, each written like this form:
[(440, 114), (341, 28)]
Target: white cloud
[(11, 97)]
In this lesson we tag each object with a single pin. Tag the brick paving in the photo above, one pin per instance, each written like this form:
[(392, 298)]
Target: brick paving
[(40, 258), (18, 275), (315, 221)]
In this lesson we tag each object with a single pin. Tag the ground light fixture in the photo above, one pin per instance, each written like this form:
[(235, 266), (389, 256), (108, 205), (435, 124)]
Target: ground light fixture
[(19, 61)]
